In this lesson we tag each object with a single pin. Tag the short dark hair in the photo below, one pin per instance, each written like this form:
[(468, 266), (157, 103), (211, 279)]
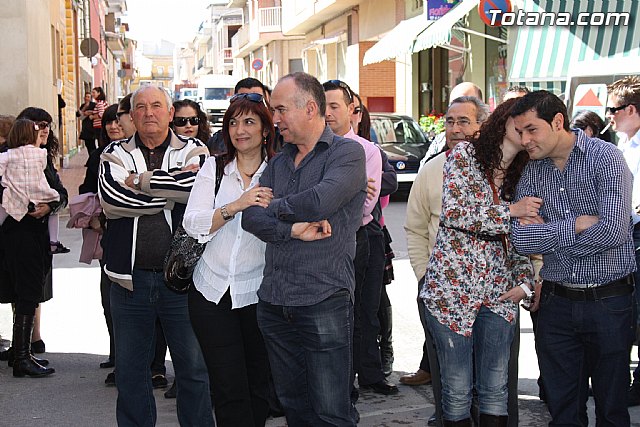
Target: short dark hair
[(311, 87), (545, 104), (243, 106), (109, 115), (23, 132), (36, 115), (125, 103), (248, 83), (347, 93), (588, 119)]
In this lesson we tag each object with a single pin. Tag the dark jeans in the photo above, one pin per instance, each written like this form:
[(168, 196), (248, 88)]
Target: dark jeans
[(236, 359), (581, 339), (366, 351), (105, 296), (309, 351), (134, 318)]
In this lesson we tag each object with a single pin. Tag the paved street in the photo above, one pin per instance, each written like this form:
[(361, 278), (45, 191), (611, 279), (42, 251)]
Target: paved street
[(76, 339)]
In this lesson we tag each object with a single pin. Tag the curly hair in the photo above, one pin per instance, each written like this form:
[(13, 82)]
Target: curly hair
[(487, 149), (36, 114)]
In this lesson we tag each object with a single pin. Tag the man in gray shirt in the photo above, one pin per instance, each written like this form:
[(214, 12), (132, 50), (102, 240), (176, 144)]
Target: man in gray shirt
[(305, 310)]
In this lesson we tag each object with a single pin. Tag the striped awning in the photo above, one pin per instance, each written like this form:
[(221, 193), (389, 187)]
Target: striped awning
[(439, 34), (546, 53), (398, 41)]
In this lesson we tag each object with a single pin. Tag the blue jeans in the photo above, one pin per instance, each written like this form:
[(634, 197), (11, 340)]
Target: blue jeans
[(134, 321), (309, 349), (489, 345), (581, 339)]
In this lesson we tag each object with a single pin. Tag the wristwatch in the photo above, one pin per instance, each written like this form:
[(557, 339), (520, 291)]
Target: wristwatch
[(225, 213), (136, 181)]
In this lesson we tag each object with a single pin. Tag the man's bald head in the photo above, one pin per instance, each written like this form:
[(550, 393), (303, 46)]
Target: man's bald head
[(465, 89)]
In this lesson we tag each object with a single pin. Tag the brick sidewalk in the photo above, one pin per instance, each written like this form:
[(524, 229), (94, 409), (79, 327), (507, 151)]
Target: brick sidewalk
[(73, 175)]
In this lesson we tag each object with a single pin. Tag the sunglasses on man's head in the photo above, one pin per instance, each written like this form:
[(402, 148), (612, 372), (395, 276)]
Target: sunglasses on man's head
[(182, 121), (342, 85), (254, 97)]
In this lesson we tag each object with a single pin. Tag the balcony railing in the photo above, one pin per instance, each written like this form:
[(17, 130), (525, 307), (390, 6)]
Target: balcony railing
[(270, 19), (227, 55)]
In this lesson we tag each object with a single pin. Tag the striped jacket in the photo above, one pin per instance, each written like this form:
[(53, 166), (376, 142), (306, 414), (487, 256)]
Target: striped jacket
[(166, 189)]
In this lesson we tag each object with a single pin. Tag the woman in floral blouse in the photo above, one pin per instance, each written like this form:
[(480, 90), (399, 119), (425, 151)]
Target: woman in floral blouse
[(475, 278)]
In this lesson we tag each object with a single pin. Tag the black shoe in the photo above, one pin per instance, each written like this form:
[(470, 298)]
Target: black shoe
[(109, 363), (432, 420), (159, 381), (38, 347), (633, 398), (382, 387), (58, 248), (111, 379), (23, 363), (172, 392)]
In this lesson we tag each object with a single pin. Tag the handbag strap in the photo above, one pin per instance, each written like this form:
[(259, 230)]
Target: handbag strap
[(219, 173), (496, 201)]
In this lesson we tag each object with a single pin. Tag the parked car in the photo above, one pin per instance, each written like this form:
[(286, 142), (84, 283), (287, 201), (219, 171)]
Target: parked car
[(404, 143)]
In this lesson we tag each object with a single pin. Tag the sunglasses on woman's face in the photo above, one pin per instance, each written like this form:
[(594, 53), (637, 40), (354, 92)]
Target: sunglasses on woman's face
[(43, 124), (254, 97), (182, 121)]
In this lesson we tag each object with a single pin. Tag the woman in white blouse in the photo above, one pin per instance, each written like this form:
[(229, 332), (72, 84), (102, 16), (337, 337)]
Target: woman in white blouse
[(222, 304)]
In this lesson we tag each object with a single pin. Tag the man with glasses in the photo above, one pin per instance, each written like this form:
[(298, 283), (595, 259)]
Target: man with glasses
[(305, 309), (370, 255), (439, 142), (463, 118), (144, 184), (624, 113)]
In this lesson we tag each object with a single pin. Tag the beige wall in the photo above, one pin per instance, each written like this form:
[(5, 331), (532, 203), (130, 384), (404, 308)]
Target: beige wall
[(376, 17), (26, 72)]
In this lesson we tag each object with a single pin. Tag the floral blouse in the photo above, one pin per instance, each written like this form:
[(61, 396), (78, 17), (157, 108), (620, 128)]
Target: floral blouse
[(468, 267)]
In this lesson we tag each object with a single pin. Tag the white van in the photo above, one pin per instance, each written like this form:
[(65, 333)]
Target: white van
[(214, 92)]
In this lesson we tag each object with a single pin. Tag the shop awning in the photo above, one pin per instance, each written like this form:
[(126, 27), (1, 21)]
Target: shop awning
[(546, 53), (398, 41), (439, 34)]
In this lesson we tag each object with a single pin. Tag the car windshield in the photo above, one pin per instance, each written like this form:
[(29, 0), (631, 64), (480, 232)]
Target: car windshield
[(398, 130), (217, 93)]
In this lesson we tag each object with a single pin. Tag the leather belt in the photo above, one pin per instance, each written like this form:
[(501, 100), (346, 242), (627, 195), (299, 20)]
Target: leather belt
[(623, 286)]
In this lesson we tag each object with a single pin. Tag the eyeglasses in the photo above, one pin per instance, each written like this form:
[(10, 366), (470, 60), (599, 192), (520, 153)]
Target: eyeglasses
[(182, 121), (43, 124), (613, 110), (120, 114), (253, 97), (357, 110), (342, 85), (462, 123)]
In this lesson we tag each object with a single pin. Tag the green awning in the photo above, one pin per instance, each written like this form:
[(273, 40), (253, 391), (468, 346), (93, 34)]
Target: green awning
[(545, 53)]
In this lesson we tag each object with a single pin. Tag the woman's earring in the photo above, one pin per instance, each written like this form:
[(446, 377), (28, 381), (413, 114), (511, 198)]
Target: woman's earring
[(264, 140)]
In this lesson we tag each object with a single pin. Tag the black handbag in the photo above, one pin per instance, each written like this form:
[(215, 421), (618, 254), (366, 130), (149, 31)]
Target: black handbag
[(185, 251)]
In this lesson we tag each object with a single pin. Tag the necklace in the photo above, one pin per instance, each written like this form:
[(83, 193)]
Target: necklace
[(249, 175)]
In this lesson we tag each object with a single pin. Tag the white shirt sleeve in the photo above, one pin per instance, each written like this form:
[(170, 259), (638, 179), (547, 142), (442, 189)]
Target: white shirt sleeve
[(198, 215)]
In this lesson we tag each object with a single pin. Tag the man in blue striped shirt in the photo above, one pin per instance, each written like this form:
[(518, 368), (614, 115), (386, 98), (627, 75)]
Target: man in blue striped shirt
[(587, 314)]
